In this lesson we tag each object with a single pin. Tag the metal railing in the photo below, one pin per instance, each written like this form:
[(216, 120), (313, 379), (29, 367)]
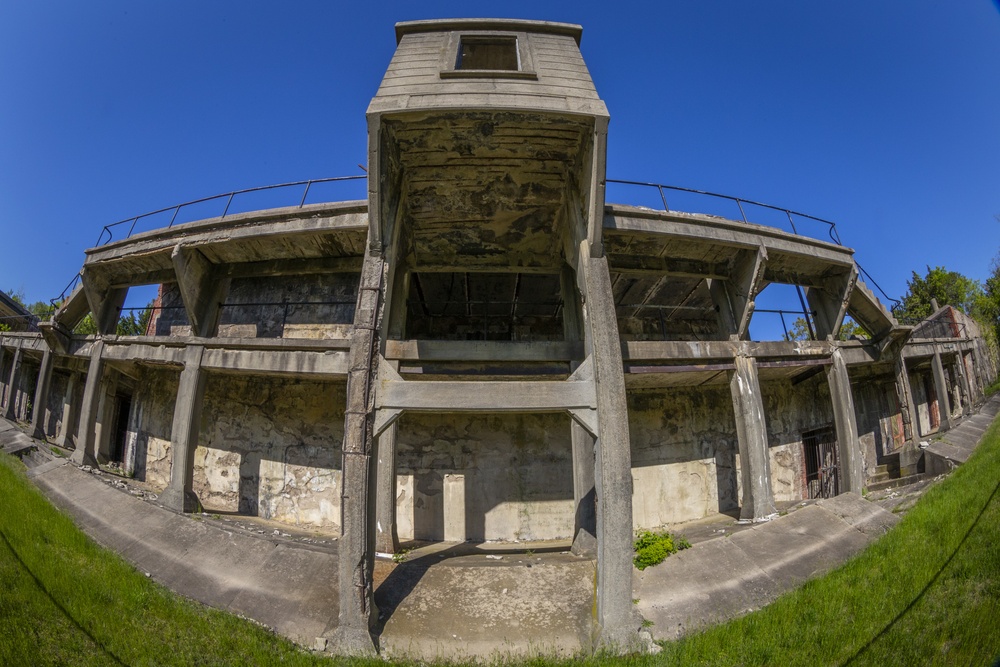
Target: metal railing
[(228, 196), (739, 201)]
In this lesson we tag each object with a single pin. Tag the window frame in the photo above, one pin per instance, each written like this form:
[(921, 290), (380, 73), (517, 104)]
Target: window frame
[(449, 65)]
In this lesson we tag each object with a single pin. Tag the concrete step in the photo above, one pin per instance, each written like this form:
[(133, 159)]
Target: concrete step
[(893, 483)]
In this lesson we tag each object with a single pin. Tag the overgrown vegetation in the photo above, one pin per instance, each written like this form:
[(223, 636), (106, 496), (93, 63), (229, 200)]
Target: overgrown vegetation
[(652, 547)]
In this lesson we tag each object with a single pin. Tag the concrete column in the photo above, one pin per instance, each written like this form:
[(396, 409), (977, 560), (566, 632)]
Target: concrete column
[(13, 385), (849, 446), (751, 433), (66, 437), (42, 395), (386, 537), (905, 397), (358, 499), (86, 440), (941, 389), (179, 494), (613, 462), (584, 493)]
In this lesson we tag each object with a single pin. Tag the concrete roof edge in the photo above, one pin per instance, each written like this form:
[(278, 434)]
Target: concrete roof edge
[(519, 25)]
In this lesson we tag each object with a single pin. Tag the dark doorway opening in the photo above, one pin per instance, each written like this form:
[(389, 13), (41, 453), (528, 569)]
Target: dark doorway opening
[(123, 407), (822, 464)]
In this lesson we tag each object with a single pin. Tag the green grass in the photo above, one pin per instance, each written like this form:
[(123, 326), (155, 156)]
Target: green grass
[(66, 601), (926, 593)]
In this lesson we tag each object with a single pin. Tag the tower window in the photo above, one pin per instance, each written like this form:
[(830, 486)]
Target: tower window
[(488, 53)]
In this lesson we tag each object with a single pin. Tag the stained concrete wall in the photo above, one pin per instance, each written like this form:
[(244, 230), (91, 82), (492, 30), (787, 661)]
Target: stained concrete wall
[(684, 454), (268, 447), (685, 462), (484, 477), (880, 424), (791, 410)]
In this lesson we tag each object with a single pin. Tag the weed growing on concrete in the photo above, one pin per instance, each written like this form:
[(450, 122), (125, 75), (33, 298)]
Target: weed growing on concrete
[(56, 451), (401, 556), (653, 547)]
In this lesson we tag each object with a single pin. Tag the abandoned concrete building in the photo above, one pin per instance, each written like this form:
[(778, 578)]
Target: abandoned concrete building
[(486, 349)]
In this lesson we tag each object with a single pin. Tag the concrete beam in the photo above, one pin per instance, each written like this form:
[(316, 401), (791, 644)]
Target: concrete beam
[(482, 350), (734, 297), (829, 303), (72, 311), (751, 434), (849, 446), (105, 301), (595, 187), (203, 288), (86, 441), (179, 494)]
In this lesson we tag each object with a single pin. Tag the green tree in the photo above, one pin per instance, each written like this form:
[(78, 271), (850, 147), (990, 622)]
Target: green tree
[(948, 288)]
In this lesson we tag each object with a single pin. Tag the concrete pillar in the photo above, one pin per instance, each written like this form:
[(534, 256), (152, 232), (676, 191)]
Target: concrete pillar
[(105, 427), (386, 537), (66, 437), (613, 462), (584, 493), (964, 385), (3, 354), (13, 385), (751, 433), (941, 389), (358, 499), (852, 469), (905, 397), (179, 494), (86, 440), (42, 395)]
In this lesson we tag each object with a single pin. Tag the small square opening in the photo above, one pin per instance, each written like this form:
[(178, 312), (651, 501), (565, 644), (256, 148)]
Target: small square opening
[(488, 53)]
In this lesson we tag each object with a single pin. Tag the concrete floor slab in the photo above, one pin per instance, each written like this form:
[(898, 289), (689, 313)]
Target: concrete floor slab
[(513, 605)]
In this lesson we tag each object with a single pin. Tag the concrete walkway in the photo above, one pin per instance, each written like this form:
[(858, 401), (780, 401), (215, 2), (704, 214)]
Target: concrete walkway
[(955, 446), (460, 600)]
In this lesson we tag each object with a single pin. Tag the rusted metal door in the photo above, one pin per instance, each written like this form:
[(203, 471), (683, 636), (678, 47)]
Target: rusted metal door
[(822, 465)]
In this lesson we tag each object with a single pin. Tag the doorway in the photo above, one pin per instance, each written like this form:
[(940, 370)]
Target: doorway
[(822, 464)]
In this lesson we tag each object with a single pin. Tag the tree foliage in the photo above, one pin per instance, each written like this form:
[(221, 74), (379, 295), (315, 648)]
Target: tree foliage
[(849, 329), (948, 288)]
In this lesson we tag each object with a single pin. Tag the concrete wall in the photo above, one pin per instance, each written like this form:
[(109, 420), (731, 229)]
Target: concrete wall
[(790, 410), (685, 462), (305, 306), (684, 454), (268, 447), (271, 447), (476, 477)]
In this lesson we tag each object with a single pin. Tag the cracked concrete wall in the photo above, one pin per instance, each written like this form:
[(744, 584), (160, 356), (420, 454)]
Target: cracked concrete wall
[(267, 447), (790, 410), (153, 404), (271, 447), (684, 454), (484, 477)]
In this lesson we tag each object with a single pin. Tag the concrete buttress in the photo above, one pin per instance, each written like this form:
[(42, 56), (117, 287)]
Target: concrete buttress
[(845, 422), (86, 441), (42, 395)]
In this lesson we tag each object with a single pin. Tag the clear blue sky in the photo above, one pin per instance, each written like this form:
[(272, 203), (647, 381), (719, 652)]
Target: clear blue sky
[(882, 116)]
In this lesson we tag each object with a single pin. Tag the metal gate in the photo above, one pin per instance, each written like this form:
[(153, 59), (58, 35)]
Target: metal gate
[(822, 465)]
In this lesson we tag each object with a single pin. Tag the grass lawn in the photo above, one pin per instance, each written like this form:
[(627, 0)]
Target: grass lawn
[(926, 593)]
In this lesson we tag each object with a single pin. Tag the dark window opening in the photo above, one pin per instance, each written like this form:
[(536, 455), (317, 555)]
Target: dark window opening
[(484, 306), (488, 53)]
